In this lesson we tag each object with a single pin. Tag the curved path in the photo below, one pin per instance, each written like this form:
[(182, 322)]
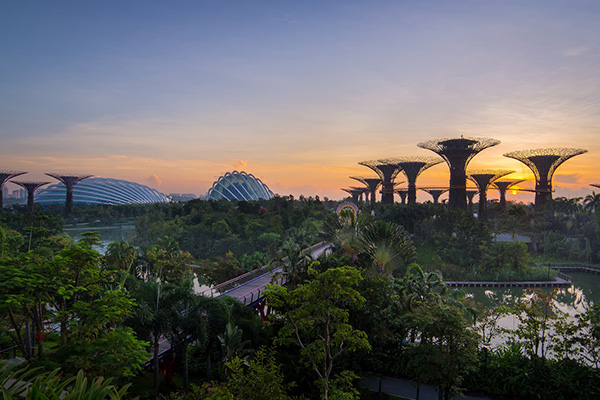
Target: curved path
[(250, 292)]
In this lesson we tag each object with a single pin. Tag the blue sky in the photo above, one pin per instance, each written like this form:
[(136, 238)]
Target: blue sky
[(173, 94)]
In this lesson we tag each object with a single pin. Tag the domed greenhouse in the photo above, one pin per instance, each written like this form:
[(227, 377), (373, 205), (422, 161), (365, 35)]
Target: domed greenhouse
[(98, 191), (236, 186)]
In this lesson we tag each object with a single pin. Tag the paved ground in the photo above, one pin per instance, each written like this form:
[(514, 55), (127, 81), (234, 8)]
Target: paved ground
[(408, 389)]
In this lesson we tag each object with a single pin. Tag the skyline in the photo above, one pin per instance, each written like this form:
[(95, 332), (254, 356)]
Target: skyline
[(173, 96)]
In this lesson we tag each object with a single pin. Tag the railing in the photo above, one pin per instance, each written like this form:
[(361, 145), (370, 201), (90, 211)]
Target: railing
[(6, 351), (574, 267), (248, 276), (256, 294)]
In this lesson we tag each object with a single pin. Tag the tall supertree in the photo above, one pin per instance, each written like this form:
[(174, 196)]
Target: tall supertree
[(543, 163), (435, 193), (470, 194), (413, 166), (5, 176), (457, 153), (371, 183), (502, 187), (402, 193), (483, 178), (387, 171), (31, 187), (69, 180), (355, 193)]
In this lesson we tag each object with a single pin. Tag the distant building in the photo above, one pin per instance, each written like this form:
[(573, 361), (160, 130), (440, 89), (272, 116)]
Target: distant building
[(182, 197), (235, 186), (99, 191)]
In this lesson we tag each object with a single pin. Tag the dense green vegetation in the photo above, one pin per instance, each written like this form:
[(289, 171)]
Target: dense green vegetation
[(376, 305)]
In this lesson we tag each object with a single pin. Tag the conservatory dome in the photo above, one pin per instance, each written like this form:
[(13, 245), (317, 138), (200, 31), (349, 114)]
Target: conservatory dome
[(98, 191), (235, 186)]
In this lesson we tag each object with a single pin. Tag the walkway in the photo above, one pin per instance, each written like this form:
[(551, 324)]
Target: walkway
[(408, 389), (250, 291)]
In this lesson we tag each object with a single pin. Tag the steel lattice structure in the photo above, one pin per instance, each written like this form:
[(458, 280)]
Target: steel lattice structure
[(239, 185), (356, 193), (413, 166), (502, 187), (387, 171), (402, 193), (543, 163), (372, 183), (483, 178), (69, 180), (435, 193), (4, 177), (470, 194), (31, 187), (457, 153)]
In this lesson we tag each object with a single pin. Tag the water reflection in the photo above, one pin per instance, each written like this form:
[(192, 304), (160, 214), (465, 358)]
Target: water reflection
[(571, 301)]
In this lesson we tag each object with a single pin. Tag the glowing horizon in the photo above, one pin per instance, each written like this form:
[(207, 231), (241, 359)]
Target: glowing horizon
[(295, 93)]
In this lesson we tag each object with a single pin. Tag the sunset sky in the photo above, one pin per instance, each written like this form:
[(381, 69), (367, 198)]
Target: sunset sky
[(174, 94)]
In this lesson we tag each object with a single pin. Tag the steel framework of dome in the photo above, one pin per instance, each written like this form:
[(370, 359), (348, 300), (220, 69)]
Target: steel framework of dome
[(236, 186), (413, 166), (371, 182), (458, 152), (387, 171), (543, 163), (103, 191), (483, 178)]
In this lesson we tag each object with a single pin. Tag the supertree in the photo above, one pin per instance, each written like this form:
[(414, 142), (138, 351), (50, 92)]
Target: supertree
[(31, 187), (387, 171), (5, 176), (483, 178), (470, 194), (413, 166), (543, 163), (435, 193), (69, 180), (402, 193), (457, 153), (502, 187), (356, 193), (372, 183)]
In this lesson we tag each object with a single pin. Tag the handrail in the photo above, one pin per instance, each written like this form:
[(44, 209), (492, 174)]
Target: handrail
[(240, 279)]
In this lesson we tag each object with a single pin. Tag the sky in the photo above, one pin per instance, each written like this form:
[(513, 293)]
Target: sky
[(174, 94)]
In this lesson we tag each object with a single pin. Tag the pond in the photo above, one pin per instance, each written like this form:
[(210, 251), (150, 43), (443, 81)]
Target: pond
[(107, 234), (572, 300)]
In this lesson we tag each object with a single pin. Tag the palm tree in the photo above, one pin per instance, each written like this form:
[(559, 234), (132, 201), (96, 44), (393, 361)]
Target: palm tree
[(591, 202), (343, 230), (418, 285), (388, 246)]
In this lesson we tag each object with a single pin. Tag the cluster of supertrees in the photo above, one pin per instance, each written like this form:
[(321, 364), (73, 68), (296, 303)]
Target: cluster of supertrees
[(69, 180), (457, 153)]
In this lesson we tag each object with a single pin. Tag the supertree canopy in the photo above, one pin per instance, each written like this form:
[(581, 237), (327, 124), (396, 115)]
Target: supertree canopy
[(457, 153), (543, 163), (413, 166), (355, 193), (69, 180), (372, 183), (31, 187), (387, 171), (483, 178), (435, 193), (502, 187), (5, 176)]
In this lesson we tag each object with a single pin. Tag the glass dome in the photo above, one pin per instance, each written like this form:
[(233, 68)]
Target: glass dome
[(97, 191), (236, 186)]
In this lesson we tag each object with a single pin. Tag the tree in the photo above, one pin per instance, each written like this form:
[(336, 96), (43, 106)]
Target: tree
[(314, 318), (446, 349), (387, 245)]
